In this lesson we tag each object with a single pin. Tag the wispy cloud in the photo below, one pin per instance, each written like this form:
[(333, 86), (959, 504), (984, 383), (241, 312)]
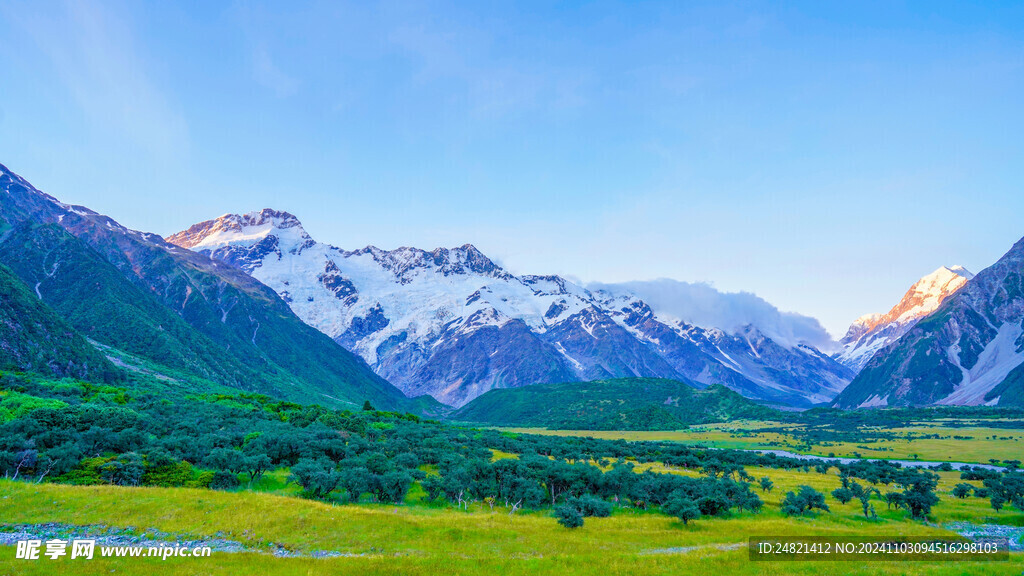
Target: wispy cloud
[(460, 58), (702, 305), (270, 76), (96, 56)]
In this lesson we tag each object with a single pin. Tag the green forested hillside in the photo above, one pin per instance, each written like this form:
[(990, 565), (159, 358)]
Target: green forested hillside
[(101, 303), (34, 339), (617, 404)]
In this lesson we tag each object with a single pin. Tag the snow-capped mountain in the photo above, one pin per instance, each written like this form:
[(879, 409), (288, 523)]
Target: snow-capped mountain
[(969, 350), (131, 291), (871, 332), (453, 324)]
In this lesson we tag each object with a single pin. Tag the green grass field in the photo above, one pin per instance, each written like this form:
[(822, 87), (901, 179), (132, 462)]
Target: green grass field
[(428, 539), (974, 444)]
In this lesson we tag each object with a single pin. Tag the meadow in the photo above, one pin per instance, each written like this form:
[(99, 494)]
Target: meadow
[(393, 493), (934, 440), (419, 538)]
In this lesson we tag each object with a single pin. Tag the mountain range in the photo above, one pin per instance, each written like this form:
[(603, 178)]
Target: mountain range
[(98, 281), (252, 302), (453, 324)]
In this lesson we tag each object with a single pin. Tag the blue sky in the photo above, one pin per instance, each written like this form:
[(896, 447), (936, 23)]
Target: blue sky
[(823, 155)]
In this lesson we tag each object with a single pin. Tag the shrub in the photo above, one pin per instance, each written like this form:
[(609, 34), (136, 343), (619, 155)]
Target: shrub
[(682, 507), (569, 516), (591, 506), (223, 480)]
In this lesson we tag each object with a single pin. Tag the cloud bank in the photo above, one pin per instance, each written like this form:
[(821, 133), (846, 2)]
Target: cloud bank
[(702, 305)]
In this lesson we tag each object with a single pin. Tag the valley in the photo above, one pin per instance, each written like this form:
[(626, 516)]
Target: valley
[(312, 409)]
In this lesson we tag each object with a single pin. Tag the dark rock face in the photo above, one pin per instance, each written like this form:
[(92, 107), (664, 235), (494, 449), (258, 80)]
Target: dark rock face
[(469, 364), (337, 284), (363, 326), (601, 349)]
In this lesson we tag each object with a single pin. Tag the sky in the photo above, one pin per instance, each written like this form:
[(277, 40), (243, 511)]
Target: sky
[(821, 155)]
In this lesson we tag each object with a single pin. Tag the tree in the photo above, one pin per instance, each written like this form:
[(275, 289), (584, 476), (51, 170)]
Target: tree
[(591, 506), (367, 407), (864, 496), (226, 459), (391, 487), (569, 516), (893, 499), (843, 495), (766, 484), (125, 470), (807, 499), (255, 466), (919, 494), (681, 506), (356, 482), (317, 478), (962, 490)]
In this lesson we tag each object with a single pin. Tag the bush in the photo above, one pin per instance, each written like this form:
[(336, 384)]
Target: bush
[(962, 490), (569, 516), (223, 480), (681, 506), (591, 506)]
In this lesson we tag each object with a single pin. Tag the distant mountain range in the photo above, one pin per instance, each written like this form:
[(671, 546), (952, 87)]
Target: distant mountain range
[(252, 302), (131, 291), (453, 324)]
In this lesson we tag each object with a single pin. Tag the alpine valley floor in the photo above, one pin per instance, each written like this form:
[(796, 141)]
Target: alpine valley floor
[(974, 442), (421, 538)]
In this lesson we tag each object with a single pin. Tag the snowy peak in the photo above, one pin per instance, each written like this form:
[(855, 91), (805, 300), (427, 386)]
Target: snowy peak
[(871, 332), (925, 296), (244, 230), (969, 351), (405, 262)]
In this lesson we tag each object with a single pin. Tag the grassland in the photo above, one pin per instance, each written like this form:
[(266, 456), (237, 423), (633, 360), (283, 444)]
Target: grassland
[(421, 539), (927, 441)]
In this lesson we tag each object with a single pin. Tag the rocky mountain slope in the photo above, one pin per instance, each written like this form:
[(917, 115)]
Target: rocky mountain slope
[(872, 332), (453, 324), (132, 291), (970, 350)]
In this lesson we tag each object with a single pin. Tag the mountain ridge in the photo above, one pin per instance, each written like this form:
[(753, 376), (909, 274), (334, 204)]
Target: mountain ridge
[(452, 323), (244, 333)]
